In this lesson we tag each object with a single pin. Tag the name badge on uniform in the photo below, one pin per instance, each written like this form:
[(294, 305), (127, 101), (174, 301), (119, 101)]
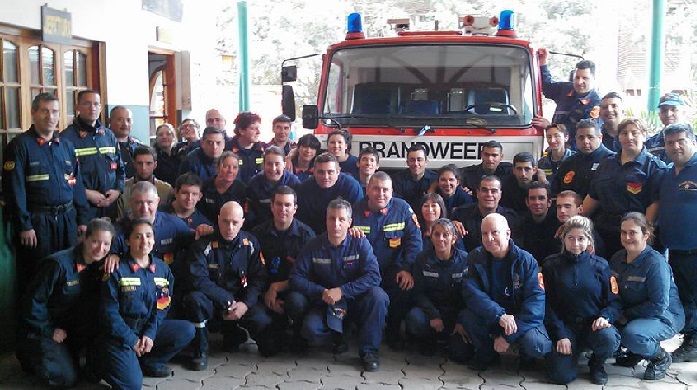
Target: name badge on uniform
[(114, 166), (260, 160), (431, 274), (595, 166), (318, 260), (457, 275), (638, 279), (72, 283)]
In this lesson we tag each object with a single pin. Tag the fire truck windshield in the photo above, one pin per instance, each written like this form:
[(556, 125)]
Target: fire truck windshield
[(445, 84)]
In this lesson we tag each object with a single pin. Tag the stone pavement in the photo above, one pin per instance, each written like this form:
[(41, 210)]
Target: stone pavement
[(404, 370)]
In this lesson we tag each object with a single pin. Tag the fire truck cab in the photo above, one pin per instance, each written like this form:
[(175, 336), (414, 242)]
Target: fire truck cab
[(448, 90)]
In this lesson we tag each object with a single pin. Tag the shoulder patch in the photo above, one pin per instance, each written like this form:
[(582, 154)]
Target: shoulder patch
[(613, 285), (9, 165), (595, 112), (569, 177)]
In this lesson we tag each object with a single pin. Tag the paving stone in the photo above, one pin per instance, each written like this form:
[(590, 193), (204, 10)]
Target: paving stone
[(340, 382), (234, 370), (153, 382), (305, 375), (277, 368), (268, 379), (420, 383), (299, 385), (459, 381), (194, 376), (583, 384), (178, 384), (500, 377), (662, 385), (222, 383), (488, 386), (384, 376), (377, 386)]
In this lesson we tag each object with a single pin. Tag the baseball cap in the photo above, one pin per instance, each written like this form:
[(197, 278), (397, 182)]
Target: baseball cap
[(335, 316), (671, 99)]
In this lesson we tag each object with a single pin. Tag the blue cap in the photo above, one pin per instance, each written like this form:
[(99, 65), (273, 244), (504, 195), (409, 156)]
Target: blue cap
[(671, 99), (335, 316)]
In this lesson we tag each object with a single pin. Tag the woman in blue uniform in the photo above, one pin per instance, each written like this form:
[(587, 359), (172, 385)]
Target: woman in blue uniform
[(651, 308), (137, 339), (582, 303), (223, 187), (438, 276), (339, 145), (60, 311), (448, 186), (624, 182), (430, 209)]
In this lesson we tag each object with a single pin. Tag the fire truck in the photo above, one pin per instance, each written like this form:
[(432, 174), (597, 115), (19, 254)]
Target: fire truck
[(450, 91)]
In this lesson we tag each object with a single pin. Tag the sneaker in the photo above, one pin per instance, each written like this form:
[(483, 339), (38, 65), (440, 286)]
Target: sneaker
[(658, 366), (371, 362), (627, 359), (598, 374), (162, 371), (687, 352)]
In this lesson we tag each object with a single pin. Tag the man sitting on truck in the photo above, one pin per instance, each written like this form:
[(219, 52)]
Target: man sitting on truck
[(575, 100)]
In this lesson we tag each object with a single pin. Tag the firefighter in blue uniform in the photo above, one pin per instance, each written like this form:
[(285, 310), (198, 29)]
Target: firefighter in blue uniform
[(575, 100), (627, 181), (136, 338), (393, 230), (651, 308), (227, 277), (43, 192), (582, 304), (492, 164), (339, 278), (261, 188), (676, 217), (201, 161), (247, 146), (120, 122), (670, 107), (327, 184), (281, 238), (504, 299), (438, 274), (575, 173), (101, 167), (223, 187), (187, 192), (60, 309)]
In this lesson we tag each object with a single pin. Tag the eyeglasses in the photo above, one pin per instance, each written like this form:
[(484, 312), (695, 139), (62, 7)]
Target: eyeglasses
[(90, 104)]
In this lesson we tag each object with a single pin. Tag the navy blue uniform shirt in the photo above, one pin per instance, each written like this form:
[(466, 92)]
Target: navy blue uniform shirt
[(576, 172), (260, 193), (525, 295), (438, 283), (251, 160), (579, 289), (198, 163), (212, 200), (352, 266), (40, 173), (676, 216), (411, 190), (227, 271), (313, 200), (281, 248)]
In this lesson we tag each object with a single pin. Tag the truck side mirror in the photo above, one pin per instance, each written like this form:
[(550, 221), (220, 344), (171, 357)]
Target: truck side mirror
[(310, 116), (289, 73), (288, 102)]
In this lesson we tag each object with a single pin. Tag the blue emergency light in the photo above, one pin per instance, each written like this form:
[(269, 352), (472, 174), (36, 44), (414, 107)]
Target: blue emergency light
[(354, 27), (506, 24)]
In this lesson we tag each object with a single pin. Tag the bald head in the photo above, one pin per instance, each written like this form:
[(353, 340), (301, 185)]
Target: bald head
[(496, 235), (230, 220)]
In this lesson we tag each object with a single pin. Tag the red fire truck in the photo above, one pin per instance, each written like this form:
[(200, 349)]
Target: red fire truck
[(448, 90)]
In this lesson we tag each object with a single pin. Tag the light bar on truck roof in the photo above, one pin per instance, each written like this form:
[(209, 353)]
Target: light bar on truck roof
[(507, 24), (354, 27)]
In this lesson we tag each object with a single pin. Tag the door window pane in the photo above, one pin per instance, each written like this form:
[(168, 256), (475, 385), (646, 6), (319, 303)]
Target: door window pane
[(81, 69), (69, 106), (12, 107), (2, 91), (68, 66), (34, 65), (9, 54), (48, 66)]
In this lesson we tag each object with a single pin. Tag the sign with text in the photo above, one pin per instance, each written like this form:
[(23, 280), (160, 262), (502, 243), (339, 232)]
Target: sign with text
[(56, 25)]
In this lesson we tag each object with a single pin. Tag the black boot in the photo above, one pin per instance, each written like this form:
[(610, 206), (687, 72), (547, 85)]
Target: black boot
[(687, 352), (598, 374), (268, 342), (199, 362), (658, 366)]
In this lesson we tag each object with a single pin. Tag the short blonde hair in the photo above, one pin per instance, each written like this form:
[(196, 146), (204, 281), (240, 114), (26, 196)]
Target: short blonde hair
[(577, 222)]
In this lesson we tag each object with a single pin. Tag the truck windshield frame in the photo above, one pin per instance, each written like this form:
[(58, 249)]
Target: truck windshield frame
[(450, 85)]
